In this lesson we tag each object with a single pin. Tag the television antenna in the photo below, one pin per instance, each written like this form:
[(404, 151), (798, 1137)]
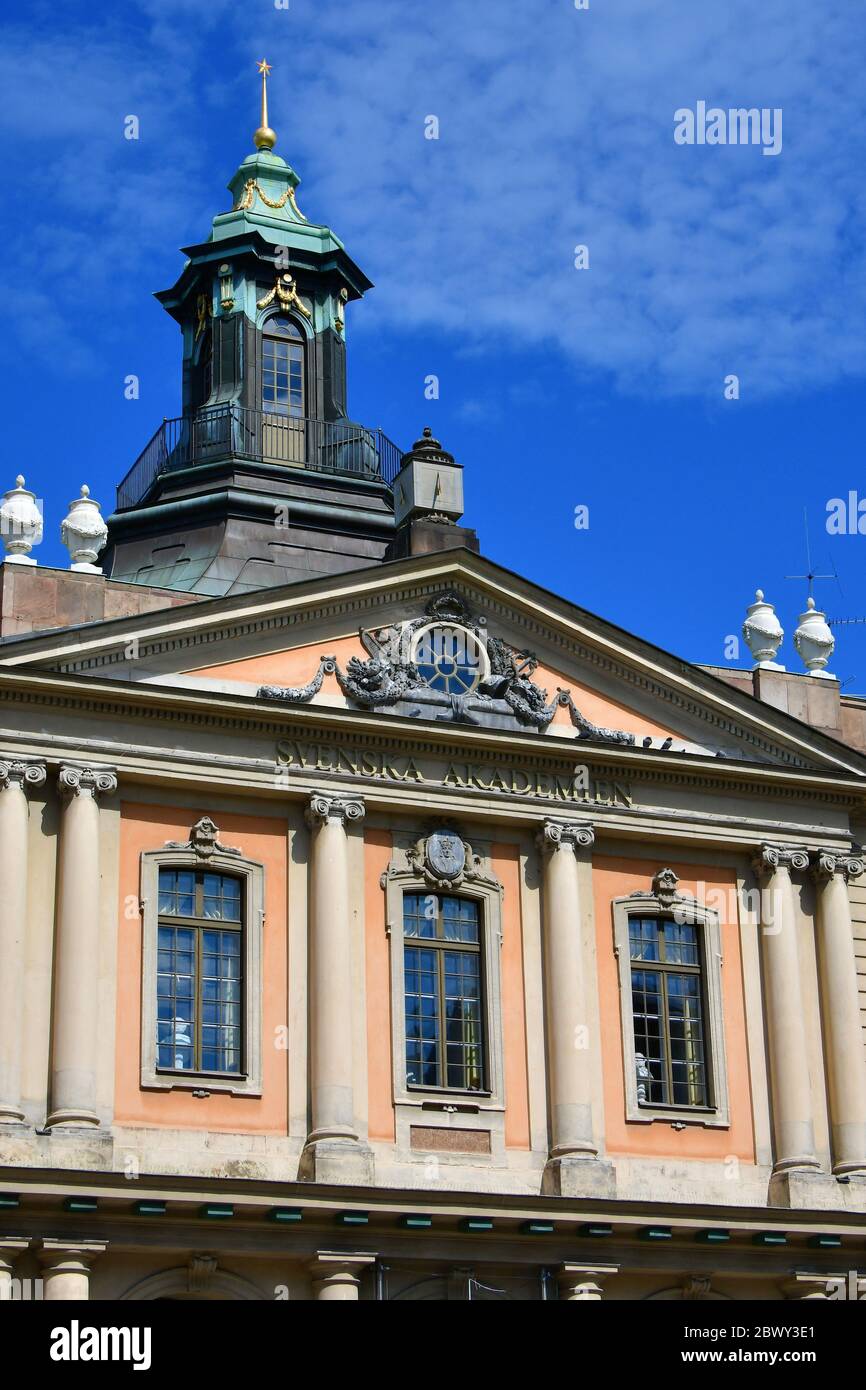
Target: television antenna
[(810, 576)]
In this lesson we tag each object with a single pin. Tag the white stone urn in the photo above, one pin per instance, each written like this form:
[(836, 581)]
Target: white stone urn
[(763, 633), (20, 524), (814, 641), (84, 533)]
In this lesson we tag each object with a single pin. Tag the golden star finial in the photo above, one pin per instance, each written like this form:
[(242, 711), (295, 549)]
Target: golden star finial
[(264, 138)]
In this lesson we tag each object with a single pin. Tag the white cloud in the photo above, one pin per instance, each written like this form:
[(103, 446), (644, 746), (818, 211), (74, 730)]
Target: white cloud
[(556, 129)]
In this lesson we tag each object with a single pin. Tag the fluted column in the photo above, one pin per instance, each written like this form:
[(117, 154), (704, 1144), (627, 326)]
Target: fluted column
[(67, 1268), (333, 1152), (337, 1275), (840, 1003), (15, 777), (75, 1036), (783, 1003), (569, 1056)]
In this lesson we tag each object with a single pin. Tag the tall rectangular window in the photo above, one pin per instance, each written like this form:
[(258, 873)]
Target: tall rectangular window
[(445, 1043), (199, 979), (667, 990)]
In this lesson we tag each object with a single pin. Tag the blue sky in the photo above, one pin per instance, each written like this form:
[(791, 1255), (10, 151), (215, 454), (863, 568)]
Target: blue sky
[(558, 387)]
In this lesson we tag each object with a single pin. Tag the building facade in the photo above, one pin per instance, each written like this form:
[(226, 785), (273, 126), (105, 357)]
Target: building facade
[(379, 925)]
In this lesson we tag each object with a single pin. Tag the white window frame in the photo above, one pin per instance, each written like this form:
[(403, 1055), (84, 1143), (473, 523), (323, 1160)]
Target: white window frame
[(685, 909), (252, 876)]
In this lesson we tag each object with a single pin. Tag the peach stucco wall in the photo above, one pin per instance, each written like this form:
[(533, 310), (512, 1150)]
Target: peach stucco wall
[(505, 860), (616, 878), (295, 666), (260, 838)]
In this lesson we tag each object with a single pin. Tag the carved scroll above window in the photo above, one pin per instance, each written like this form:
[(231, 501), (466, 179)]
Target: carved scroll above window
[(203, 840)]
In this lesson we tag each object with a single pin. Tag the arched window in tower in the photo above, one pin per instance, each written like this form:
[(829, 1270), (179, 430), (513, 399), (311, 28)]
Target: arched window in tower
[(206, 362), (283, 384)]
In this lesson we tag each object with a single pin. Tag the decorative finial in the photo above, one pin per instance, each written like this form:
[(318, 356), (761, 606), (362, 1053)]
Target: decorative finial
[(763, 634), (264, 138), (20, 524), (814, 641), (84, 533)]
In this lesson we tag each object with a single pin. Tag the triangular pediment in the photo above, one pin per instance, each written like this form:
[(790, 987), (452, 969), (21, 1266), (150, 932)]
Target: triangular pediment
[(373, 641)]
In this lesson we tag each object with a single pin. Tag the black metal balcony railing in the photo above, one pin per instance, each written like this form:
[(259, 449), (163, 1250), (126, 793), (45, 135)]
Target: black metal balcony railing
[(218, 432)]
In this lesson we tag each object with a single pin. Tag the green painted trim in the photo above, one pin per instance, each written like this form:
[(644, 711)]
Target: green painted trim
[(352, 1218), (415, 1223), (214, 1212), (80, 1204), (476, 1223), (285, 1215), (148, 1208)]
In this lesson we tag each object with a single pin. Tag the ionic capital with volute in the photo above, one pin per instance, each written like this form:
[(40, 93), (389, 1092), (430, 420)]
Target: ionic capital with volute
[(78, 780), (17, 772), (323, 808), (771, 858), (827, 862), (564, 834)]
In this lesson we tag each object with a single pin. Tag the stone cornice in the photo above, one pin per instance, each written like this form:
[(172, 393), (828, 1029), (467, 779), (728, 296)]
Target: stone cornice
[(223, 713)]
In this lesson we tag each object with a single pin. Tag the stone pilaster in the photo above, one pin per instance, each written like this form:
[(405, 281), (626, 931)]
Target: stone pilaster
[(75, 1035), (333, 1152), (337, 1275), (582, 1283), (573, 1167), (66, 1268), (15, 778), (789, 1061), (837, 966)]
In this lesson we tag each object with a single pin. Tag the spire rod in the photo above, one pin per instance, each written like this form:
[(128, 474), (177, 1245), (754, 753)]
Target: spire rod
[(264, 138)]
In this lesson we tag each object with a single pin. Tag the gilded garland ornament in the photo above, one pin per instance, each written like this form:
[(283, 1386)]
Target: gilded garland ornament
[(285, 292), (253, 189), (202, 314)]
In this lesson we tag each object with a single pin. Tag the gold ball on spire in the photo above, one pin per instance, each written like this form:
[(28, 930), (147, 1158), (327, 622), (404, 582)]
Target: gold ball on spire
[(264, 138)]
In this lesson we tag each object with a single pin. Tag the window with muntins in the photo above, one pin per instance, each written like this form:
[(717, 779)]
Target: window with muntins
[(444, 1014), (667, 990), (283, 367), (199, 977)]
